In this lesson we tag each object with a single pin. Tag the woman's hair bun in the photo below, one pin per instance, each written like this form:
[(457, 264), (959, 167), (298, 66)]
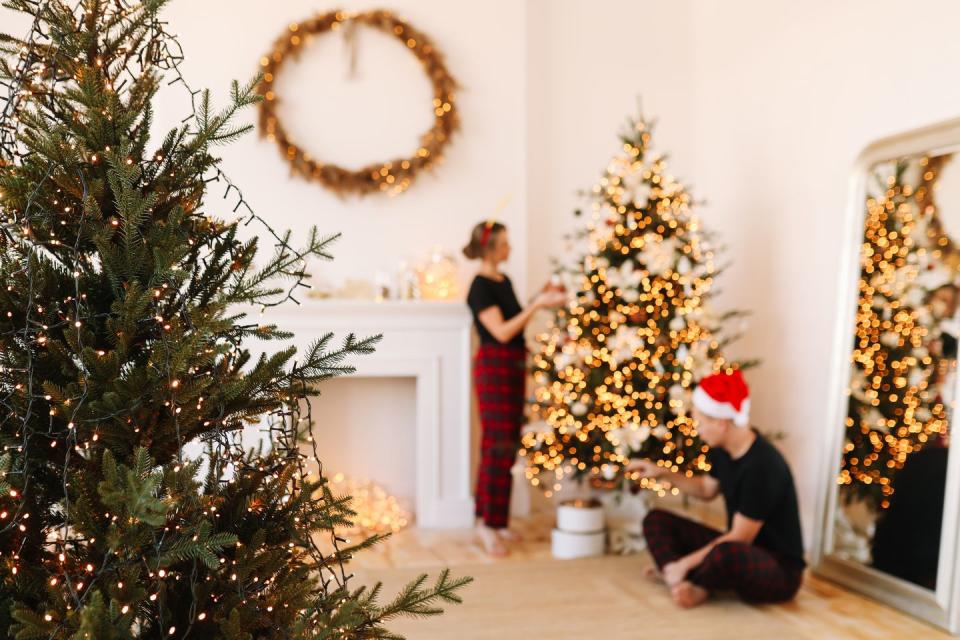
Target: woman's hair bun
[(481, 238)]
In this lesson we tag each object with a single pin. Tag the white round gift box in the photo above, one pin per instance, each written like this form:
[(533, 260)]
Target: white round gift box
[(567, 546), (580, 517)]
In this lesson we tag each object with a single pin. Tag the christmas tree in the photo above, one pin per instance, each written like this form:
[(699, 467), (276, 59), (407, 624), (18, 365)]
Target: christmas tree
[(615, 370), (897, 398), (124, 342)]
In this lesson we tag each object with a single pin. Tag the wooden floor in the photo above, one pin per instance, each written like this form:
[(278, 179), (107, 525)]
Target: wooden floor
[(532, 596)]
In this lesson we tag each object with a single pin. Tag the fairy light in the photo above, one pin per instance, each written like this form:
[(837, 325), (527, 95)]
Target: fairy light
[(377, 512), (189, 358), (615, 370)]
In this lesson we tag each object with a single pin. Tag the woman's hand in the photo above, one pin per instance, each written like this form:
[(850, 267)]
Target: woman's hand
[(550, 299), (554, 284), (643, 468)]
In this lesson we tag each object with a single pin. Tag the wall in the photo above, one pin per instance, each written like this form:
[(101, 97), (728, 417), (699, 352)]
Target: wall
[(378, 115), (786, 95), (762, 105), (591, 63), (382, 111)]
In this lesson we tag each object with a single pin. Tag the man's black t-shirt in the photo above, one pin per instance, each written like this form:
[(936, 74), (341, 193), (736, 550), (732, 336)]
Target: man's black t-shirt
[(759, 485), (485, 293)]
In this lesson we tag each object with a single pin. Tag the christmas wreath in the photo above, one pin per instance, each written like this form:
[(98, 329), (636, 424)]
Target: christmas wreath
[(391, 176)]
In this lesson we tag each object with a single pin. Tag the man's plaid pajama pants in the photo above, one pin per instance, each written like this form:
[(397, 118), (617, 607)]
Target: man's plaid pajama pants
[(754, 573)]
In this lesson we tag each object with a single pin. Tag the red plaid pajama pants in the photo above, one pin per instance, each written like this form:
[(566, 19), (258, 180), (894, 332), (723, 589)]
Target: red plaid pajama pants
[(754, 573), (499, 374)]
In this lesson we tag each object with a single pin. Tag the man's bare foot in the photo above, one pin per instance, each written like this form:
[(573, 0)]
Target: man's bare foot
[(688, 595), (509, 536), (492, 543), (653, 574)]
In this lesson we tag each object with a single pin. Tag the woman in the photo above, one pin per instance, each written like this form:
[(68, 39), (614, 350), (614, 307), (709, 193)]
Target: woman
[(499, 373)]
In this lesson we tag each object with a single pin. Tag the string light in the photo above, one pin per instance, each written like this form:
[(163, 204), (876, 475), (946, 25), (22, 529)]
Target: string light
[(114, 400)]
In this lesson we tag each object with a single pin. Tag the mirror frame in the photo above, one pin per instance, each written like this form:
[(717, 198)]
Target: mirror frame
[(940, 607)]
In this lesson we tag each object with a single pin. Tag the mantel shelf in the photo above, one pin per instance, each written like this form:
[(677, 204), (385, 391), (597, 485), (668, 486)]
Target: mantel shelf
[(338, 314)]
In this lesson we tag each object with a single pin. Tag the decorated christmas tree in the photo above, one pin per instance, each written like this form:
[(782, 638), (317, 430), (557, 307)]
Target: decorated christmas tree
[(615, 370), (124, 346), (900, 364)]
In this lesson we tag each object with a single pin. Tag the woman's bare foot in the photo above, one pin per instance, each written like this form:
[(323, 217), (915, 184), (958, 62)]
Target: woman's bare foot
[(688, 595), (492, 543), (509, 536)]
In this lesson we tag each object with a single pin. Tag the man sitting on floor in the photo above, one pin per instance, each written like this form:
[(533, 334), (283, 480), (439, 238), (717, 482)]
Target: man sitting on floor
[(760, 557)]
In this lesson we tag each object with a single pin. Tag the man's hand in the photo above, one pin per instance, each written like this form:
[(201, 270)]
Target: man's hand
[(675, 572), (644, 469)]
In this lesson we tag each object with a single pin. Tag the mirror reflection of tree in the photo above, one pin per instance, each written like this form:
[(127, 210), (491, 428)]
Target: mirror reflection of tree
[(893, 473)]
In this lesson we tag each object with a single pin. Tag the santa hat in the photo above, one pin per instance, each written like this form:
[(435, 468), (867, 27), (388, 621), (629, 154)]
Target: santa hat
[(724, 395)]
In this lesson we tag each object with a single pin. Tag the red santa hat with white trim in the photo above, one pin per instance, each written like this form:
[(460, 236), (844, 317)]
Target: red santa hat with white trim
[(724, 395)]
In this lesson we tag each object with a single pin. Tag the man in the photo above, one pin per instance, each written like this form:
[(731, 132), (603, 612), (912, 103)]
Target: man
[(760, 556)]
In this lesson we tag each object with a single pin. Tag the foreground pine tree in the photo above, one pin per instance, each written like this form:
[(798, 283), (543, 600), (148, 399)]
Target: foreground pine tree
[(123, 339), (615, 371)]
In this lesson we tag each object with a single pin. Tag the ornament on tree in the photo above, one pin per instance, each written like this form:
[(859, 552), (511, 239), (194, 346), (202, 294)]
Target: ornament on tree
[(615, 370)]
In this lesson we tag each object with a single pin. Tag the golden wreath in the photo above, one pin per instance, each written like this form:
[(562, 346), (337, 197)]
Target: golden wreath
[(392, 176)]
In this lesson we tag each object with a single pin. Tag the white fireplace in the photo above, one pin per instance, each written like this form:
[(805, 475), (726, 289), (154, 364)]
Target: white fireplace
[(431, 343)]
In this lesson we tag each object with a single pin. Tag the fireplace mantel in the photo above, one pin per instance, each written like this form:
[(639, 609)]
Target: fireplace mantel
[(426, 340)]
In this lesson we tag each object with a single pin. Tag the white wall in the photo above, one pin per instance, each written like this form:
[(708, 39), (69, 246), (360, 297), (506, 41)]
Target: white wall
[(379, 114), (382, 112), (787, 94), (763, 106), (590, 63)]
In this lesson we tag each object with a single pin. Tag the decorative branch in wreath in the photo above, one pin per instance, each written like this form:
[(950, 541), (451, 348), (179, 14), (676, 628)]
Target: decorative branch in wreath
[(393, 176)]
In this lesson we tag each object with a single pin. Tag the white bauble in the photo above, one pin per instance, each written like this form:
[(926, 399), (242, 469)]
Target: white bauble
[(563, 360), (678, 323), (658, 254), (643, 433), (890, 339), (660, 431), (875, 419), (579, 408), (684, 265), (635, 435), (916, 376), (641, 196), (658, 366)]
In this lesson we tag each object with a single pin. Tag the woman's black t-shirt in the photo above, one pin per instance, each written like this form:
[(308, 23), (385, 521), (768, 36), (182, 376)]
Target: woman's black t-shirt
[(485, 293), (760, 486)]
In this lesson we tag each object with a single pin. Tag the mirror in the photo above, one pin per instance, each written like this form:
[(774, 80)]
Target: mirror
[(888, 524)]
